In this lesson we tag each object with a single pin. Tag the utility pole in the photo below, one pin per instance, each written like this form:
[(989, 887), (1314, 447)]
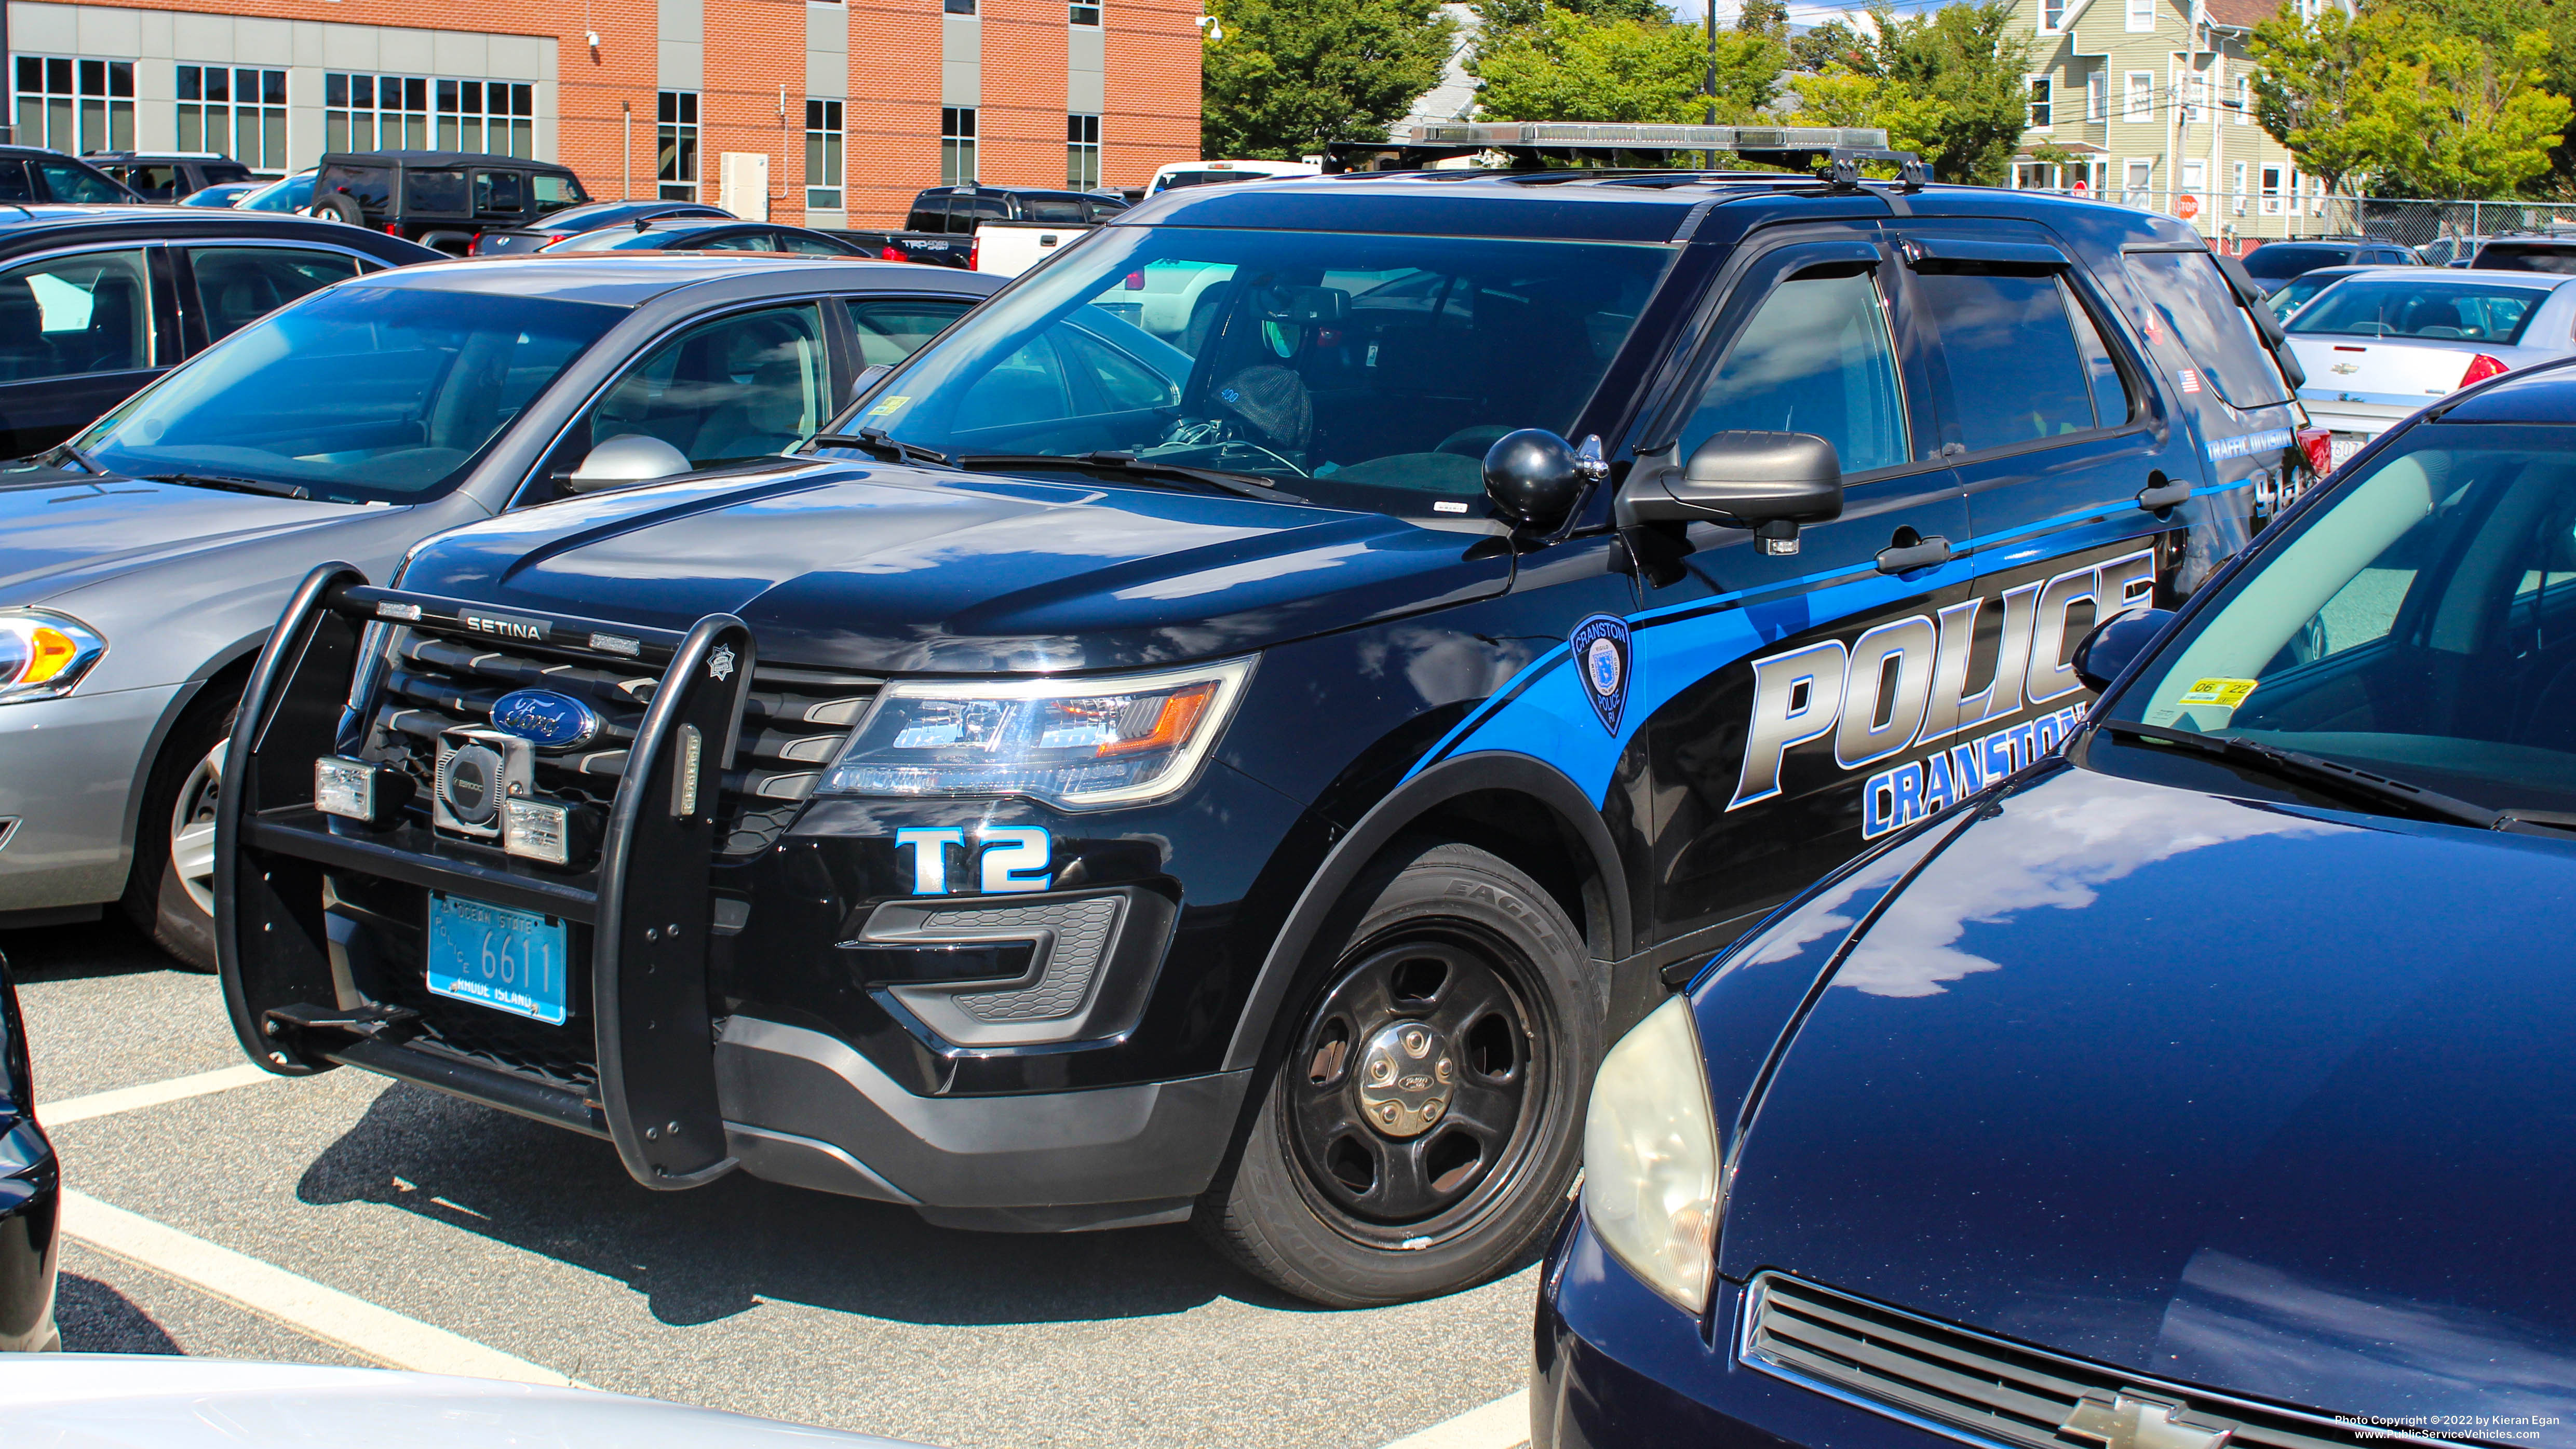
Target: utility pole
[(1708, 159)]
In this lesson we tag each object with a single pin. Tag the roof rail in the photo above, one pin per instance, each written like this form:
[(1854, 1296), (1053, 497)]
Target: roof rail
[(1833, 153)]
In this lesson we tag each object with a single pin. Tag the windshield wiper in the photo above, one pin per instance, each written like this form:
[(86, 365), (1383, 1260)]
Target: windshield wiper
[(236, 485), (1128, 465), (95, 467), (2319, 771), (876, 441)]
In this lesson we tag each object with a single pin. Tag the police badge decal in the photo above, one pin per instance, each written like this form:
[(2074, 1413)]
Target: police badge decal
[(1600, 646)]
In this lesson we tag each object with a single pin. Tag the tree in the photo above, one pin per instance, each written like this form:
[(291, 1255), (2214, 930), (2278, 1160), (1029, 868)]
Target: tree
[(1569, 66), (1765, 17), (1496, 20), (2418, 105), (2308, 88), (1947, 86), (1290, 76)]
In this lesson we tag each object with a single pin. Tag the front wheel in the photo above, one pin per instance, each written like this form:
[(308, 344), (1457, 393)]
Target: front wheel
[(1422, 1127), (171, 894)]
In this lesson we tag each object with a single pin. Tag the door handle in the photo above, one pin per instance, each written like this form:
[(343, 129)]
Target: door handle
[(1909, 551), (2160, 495)]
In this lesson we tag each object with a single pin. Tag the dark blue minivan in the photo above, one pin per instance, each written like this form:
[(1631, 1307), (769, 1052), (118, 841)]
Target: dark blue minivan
[(2216, 1081)]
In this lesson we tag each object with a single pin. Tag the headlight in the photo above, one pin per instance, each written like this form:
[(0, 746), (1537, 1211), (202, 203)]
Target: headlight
[(1650, 1157), (1076, 743), (43, 655)]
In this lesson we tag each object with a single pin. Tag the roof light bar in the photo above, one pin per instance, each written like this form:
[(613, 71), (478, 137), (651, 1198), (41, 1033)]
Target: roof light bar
[(1644, 136)]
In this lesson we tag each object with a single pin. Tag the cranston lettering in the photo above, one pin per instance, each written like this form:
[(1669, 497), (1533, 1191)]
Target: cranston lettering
[(1904, 684), (1893, 798)]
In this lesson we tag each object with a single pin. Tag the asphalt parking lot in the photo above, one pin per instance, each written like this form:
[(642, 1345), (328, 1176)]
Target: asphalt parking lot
[(742, 1295)]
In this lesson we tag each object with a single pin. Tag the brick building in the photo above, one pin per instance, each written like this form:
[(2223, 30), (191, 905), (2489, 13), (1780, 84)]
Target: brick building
[(857, 104)]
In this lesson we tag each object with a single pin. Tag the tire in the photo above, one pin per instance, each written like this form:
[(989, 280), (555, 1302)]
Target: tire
[(339, 207), (1361, 1183), (170, 895)]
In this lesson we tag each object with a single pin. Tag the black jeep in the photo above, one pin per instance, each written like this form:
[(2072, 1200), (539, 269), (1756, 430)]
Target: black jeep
[(442, 199)]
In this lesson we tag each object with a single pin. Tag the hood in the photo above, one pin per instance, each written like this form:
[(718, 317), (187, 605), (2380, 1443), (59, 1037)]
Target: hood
[(2271, 1101), (61, 531), (906, 570)]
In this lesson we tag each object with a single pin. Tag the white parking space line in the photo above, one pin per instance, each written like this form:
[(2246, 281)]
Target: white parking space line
[(1502, 1424), (150, 1094), (310, 1308)]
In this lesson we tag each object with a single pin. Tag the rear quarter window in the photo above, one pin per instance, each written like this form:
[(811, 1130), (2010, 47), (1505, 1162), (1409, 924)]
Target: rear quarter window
[(2189, 298), (441, 190), (373, 186)]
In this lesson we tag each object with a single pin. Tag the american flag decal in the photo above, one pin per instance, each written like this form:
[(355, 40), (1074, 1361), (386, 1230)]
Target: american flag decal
[(2190, 380)]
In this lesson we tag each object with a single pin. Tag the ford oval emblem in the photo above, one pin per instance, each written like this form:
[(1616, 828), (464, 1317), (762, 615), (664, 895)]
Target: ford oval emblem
[(543, 718)]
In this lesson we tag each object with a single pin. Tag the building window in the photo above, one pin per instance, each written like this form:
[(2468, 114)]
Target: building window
[(2195, 97), (2142, 16), (2269, 203), (375, 113), (676, 136), (1082, 152), (2244, 100), (2142, 95), (1082, 14), (241, 113), (499, 117), (958, 7), (2137, 188), (75, 105), (822, 155), (2038, 114), (2097, 96), (956, 145), (2052, 16)]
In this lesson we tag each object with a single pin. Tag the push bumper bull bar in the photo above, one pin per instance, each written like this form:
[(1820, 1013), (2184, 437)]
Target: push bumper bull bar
[(646, 901)]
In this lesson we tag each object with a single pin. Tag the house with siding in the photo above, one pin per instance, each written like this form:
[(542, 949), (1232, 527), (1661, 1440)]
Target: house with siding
[(2150, 103)]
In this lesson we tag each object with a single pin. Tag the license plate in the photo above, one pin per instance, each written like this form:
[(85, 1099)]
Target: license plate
[(493, 956), (2344, 446)]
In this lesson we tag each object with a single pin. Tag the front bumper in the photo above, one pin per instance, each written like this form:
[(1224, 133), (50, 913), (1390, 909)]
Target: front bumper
[(724, 1013), (67, 768), (30, 1239), (1616, 1365)]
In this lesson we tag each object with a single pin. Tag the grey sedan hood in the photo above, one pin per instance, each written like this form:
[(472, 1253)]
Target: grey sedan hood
[(141, 1401), (60, 532)]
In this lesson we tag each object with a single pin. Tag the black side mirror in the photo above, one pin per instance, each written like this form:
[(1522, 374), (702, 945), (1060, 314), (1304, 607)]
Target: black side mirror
[(1768, 482), (1535, 478), (2116, 643)]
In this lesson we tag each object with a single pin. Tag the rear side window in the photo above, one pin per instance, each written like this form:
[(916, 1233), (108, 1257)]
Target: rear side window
[(2191, 297), (500, 191), (2017, 374), (890, 331), (13, 182), (929, 213), (2507, 257), (441, 190), (238, 285), (71, 181), (554, 193)]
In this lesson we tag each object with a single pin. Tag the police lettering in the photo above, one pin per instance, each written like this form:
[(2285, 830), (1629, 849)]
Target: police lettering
[(1903, 685)]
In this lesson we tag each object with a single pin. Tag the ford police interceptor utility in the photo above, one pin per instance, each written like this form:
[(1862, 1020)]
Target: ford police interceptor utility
[(1231, 729)]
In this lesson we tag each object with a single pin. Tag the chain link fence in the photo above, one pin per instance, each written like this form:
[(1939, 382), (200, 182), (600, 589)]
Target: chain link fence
[(2442, 230)]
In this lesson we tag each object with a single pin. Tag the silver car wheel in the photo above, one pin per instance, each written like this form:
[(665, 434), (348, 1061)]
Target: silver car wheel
[(192, 828)]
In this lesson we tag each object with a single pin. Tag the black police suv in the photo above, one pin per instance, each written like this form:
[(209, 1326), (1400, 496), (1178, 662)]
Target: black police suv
[(1199, 741), (169, 175), (97, 301), (31, 1197), (442, 199), (35, 173)]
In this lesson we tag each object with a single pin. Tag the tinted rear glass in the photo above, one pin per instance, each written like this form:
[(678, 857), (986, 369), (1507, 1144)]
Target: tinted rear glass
[(439, 190), (2558, 260), (2282, 261), (1050, 209), (2192, 296), (2405, 307), (373, 186)]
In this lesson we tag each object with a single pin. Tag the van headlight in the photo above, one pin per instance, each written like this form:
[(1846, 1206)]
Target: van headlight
[(1075, 743), (1650, 1158), (42, 654)]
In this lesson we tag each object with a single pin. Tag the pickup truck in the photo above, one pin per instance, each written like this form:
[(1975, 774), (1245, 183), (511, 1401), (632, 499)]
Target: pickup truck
[(1008, 248), (941, 226)]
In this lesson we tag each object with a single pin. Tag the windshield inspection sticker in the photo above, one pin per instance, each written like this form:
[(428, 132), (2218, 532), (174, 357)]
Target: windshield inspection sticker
[(1600, 646), (889, 407), (2221, 449), (2224, 693)]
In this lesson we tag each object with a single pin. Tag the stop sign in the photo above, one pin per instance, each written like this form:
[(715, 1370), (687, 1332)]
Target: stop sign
[(2188, 207)]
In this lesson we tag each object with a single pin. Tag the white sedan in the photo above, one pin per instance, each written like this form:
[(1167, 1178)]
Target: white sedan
[(2379, 345)]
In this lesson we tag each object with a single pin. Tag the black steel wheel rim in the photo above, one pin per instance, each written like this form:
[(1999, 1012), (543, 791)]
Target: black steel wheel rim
[(1393, 1179)]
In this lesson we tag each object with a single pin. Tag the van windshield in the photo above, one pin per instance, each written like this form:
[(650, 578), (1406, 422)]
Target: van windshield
[(1369, 372), (358, 394)]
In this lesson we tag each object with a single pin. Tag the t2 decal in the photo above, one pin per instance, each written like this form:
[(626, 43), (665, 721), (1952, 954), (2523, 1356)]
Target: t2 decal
[(1009, 859)]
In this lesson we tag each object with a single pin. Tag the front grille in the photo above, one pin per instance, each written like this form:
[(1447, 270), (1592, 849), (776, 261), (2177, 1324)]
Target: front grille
[(794, 724), (1984, 1389)]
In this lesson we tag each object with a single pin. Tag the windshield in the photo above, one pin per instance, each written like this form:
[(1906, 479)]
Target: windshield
[(2421, 626), (1369, 372), (2295, 294), (2404, 306), (292, 194), (358, 394), (2277, 261)]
